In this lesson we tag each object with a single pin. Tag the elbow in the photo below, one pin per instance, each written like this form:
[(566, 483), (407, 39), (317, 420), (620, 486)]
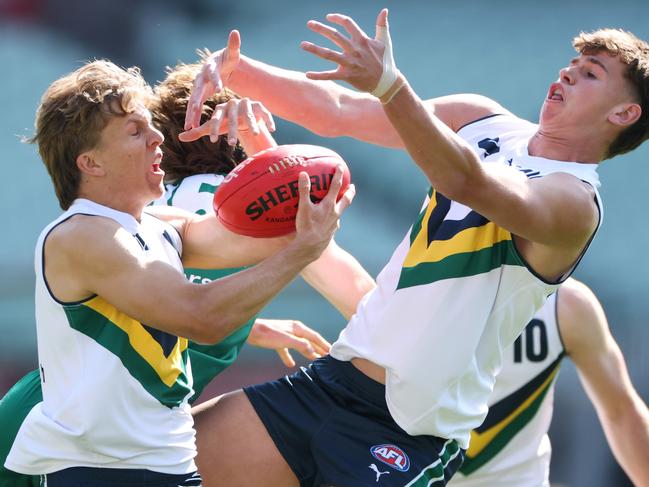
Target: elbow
[(465, 184), (328, 125), (204, 325), (205, 335), (331, 119)]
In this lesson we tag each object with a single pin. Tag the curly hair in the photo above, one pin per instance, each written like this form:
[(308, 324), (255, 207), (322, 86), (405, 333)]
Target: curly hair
[(634, 53), (182, 159)]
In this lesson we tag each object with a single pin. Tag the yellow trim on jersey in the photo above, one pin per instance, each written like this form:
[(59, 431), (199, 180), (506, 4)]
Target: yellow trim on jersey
[(167, 368), (480, 440), (468, 240)]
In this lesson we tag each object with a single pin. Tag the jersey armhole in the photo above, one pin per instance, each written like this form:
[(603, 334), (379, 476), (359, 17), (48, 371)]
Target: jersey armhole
[(569, 272), (556, 320), (479, 120), (47, 284), (174, 238)]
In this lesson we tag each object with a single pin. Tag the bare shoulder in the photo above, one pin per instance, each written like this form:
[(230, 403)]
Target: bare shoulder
[(82, 246), (578, 202), (581, 318), (458, 110), (80, 231)]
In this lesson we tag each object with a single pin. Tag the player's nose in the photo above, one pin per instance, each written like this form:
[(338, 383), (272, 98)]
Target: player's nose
[(566, 75), (156, 138)]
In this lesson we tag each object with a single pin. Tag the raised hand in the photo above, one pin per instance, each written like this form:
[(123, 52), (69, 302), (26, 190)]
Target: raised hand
[(365, 63), (234, 116), (282, 335), (315, 224), (216, 70)]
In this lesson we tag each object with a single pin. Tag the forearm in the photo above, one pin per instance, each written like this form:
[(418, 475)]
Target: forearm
[(323, 107), (448, 162), (222, 306), (627, 433), (340, 278)]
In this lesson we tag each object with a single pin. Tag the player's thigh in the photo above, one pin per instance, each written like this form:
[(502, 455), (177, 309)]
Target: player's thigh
[(234, 448)]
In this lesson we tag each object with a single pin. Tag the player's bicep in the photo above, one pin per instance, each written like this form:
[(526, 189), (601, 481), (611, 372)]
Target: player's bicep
[(148, 290), (557, 210), (208, 244)]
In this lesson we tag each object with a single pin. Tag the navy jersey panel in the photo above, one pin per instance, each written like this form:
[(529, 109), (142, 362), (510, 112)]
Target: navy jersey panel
[(331, 424)]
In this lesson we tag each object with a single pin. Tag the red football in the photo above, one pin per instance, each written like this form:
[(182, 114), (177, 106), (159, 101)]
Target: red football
[(259, 198)]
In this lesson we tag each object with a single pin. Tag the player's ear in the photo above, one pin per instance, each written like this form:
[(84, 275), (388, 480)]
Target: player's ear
[(625, 114), (88, 164)]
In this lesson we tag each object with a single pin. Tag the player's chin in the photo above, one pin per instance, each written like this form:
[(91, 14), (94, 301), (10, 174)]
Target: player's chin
[(156, 187)]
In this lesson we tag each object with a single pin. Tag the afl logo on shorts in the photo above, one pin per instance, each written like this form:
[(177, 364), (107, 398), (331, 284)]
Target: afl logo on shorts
[(392, 456)]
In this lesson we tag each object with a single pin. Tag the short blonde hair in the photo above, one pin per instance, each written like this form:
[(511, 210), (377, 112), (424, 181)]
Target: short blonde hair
[(634, 53), (73, 112)]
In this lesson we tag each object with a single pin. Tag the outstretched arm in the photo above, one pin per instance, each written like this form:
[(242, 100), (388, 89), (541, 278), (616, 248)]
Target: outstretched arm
[(88, 256), (340, 278), (554, 215), (324, 107), (603, 373)]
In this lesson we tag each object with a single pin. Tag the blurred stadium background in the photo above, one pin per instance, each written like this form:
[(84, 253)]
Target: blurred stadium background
[(507, 50)]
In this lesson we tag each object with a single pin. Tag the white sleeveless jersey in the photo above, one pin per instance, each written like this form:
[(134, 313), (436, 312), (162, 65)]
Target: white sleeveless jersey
[(511, 448), (454, 294), (114, 390), (193, 193)]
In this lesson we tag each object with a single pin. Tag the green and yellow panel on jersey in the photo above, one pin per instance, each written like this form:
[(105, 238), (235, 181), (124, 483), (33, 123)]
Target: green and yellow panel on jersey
[(506, 418), (157, 360), (442, 248)]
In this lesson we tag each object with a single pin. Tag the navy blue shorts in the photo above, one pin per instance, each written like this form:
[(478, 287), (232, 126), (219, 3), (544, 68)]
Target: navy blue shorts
[(331, 424), (111, 477)]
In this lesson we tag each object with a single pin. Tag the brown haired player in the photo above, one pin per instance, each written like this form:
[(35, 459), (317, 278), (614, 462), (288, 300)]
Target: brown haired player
[(512, 208), (114, 311)]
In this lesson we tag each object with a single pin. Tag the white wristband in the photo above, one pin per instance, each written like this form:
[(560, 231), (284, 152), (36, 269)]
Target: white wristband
[(390, 72)]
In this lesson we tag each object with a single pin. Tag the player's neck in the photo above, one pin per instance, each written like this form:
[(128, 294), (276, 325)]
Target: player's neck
[(124, 205), (575, 149)]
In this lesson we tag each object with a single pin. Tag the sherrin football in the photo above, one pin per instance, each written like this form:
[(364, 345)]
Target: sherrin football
[(259, 198)]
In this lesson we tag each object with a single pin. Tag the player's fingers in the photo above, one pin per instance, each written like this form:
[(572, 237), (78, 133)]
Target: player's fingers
[(348, 23), (321, 345), (261, 113), (251, 119), (304, 188), (381, 20), (330, 33), (215, 123), (233, 48), (323, 52), (233, 120), (194, 105), (194, 134), (285, 357), (304, 348), (334, 186), (347, 198)]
